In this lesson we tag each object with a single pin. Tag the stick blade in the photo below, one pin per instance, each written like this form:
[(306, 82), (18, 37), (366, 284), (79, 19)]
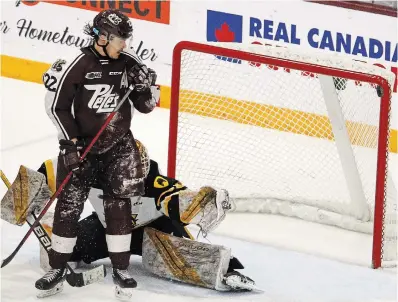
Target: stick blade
[(7, 260)]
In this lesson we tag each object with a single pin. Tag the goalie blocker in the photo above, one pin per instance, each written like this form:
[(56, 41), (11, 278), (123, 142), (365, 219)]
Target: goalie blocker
[(166, 208)]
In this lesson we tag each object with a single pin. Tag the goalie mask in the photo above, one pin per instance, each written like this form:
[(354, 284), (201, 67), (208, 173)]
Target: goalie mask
[(144, 157)]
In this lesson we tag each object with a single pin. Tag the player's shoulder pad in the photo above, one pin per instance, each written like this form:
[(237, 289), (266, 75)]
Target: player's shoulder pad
[(59, 68), (153, 168), (132, 55)]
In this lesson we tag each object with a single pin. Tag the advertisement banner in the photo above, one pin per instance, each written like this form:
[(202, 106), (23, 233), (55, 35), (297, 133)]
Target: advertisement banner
[(154, 11)]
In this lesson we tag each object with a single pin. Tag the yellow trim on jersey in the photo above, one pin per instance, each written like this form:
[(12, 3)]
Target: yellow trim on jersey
[(166, 206), (161, 198), (50, 175), (177, 188), (166, 201)]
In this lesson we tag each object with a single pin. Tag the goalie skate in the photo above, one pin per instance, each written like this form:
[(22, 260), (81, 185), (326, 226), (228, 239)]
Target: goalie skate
[(237, 281), (50, 292)]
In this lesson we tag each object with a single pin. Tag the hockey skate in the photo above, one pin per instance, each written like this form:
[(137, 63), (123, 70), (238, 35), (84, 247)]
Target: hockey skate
[(51, 283), (238, 282), (124, 283)]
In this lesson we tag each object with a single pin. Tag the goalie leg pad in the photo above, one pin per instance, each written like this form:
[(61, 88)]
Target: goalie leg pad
[(123, 294), (206, 208), (185, 260), (28, 193)]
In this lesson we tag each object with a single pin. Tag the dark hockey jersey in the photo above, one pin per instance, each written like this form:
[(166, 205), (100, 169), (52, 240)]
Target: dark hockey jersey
[(82, 92)]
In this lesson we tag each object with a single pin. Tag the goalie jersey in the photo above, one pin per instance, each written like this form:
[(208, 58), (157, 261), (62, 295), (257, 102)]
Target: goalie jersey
[(160, 198)]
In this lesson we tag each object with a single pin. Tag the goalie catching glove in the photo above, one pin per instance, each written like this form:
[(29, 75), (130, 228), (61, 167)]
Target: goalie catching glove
[(206, 208)]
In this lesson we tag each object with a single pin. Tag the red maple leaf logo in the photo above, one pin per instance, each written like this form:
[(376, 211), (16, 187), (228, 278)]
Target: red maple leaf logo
[(224, 33)]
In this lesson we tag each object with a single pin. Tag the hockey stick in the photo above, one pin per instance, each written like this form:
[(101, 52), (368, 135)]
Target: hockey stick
[(5, 179), (66, 180), (74, 279)]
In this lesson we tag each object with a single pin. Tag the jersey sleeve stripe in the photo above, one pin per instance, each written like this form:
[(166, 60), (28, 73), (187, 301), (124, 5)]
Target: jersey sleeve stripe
[(134, 56), (59, 88)]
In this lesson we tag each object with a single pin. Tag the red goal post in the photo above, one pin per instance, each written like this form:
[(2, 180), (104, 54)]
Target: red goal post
[(294, 99)]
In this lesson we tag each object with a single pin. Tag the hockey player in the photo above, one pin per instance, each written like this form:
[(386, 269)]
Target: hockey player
[(159, 220), (81, 94)]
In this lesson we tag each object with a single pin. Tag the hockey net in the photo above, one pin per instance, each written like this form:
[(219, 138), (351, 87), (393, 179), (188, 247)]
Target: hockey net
[(287, 133)]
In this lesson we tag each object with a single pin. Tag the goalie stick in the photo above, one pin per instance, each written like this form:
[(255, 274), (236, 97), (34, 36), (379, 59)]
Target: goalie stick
[(74, 279), (65, 181)]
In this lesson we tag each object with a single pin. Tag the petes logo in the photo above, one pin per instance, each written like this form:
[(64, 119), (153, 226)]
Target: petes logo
[(102, 99), (93, 75)]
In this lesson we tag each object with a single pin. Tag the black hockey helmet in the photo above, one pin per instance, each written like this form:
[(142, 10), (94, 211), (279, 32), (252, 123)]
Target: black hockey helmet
[(112, 21), (113, 24)]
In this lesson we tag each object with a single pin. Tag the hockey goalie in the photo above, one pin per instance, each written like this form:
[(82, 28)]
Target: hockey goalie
[(160, 219)]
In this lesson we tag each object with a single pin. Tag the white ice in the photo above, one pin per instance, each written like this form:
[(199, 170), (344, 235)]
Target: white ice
[(290, 260)]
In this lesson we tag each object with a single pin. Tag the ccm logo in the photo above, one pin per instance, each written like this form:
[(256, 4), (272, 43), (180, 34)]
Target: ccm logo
[(115, 72)]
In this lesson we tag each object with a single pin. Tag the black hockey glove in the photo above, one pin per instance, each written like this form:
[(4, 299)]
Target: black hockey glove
[(70, 154), (141, 77)]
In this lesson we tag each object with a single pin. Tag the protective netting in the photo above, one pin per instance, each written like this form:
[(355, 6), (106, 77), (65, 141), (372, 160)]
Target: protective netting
[(285, 141)]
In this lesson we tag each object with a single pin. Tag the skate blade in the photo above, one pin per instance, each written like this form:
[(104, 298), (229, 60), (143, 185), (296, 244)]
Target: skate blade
[(124, 294), (50, 292)]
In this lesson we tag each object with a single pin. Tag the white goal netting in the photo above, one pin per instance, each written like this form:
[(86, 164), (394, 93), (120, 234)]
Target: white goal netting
[(288, 133)]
